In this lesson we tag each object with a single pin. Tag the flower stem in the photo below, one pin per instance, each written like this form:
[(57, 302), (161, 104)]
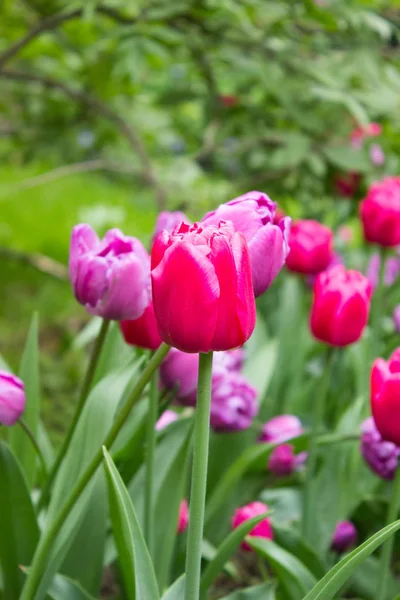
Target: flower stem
[(318, 418), (388, 546), (377, 301), (94, 359), (199, 478), (46, 542), (150, 450), (27, 430)]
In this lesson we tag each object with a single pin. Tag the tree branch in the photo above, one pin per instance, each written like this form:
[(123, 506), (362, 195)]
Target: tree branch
[(41, 263), (105, 111)]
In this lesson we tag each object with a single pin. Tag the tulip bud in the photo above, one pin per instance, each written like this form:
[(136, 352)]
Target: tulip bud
[(244, 513), (347, 184), (142, 332), (111, 278), (280, 429), (168, 416), (202, 288), (282, 460), (253, 214), (381, 456), (380, 212), (344, 537), (311, 247), (12, 398), (341, 306), (385, 397), (233, 402), (183, 519)]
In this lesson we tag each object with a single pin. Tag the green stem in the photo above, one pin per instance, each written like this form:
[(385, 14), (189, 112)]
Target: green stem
[(25, 427), (94, 359), (199, 478), (150, 450), (377, 306), (388, 546), (318, 418), (46, 542)]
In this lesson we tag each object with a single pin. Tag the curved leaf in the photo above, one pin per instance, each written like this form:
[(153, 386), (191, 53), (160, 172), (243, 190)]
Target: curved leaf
[(264, 591), (136, 566), (19, 531), (294, 577), (329, 585), (225, 551), (176, 591)]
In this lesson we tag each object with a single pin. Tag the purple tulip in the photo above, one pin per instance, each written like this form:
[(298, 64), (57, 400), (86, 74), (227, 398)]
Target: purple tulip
[(381, 456), (168, 416), (233, 402), (253, 215), (167, 221), (280, 429), (396, 318), (282, 460), (12, 398), (377, 155), (111, 277), (180, 370), (344, 537), (392, 270)]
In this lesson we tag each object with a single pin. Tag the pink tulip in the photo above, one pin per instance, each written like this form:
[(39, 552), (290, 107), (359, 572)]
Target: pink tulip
[(380, 212), (12, 398), (244, 513), (253, 214), (111, 277), (280, 429), (202, 287), (168, 220), (183, 519), (142, 332), (168, 416)]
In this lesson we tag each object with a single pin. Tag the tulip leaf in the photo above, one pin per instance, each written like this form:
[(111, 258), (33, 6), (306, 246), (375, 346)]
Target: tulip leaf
[(289, 539), (96, 419), (19, 531), (176, 591), (330, 584), (225, 551), (264, 591), (293, 576), (135, 561), (64, 588), (29, 373), (169, 479)]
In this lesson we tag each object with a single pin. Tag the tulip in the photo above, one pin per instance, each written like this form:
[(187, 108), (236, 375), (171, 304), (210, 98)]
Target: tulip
[(180, 370), (344, 537), (244, 513), (142, 332), (380, 212), (202, 288), (282, 460), (233, 402), (280, 429), (392, 270), (111, 278), (385, 397), (341, 306), (183, 519), (381, 456), (360, 134), (311, 247), (377, 155), (347, 184), (396, 318), (167, 221), (253, 214), (168, 416), (12, 398)]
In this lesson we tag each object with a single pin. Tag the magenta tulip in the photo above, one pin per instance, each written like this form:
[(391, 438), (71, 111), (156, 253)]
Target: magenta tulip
[(12, 398)]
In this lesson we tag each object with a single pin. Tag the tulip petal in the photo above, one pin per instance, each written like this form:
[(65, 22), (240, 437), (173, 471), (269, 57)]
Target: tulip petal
[(351, 319), (185, 296), (246, 304), (83, 239), (268, 245), (385, 406)]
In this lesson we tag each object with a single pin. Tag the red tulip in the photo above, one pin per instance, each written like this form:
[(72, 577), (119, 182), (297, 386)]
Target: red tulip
[(311, 247), (385, 397), (142, 332), (380, 212), (202, 287), (341, 306)]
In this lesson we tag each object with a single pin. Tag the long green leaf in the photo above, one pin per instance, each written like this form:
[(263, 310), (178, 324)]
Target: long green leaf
[(225, 551), (136, 566), (96, 420), (29, 373), (264, 591), (19, 531), (176, 591), (64, 588), (329, 585), (294, 577)]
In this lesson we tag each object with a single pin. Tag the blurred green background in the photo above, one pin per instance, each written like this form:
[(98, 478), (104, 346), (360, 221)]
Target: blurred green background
[(111, 111)]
